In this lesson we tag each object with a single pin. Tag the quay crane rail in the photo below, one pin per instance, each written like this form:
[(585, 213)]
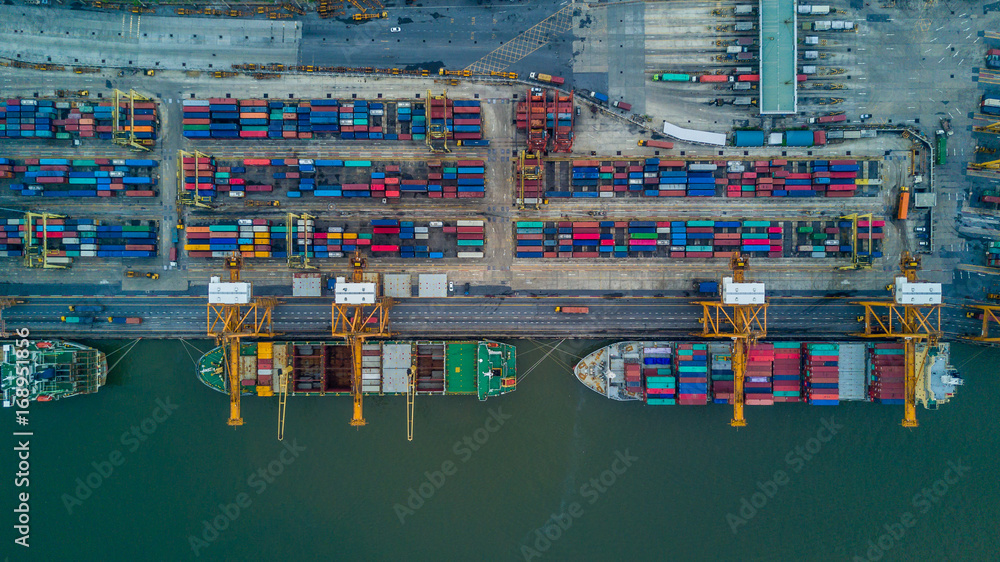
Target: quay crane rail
[(232, 314), (360, 313), (740, 315), (913, 315)]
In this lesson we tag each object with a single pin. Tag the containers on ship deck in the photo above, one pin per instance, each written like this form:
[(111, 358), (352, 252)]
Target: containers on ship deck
[(757, 383), (887, 372), (822, 373), (692, 374), (786, 379), (660, 382)]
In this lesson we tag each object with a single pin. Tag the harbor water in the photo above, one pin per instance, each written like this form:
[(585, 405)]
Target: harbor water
[(147, 469)]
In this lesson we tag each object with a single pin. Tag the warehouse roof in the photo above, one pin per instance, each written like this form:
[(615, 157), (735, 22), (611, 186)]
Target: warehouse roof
[(778, 53)]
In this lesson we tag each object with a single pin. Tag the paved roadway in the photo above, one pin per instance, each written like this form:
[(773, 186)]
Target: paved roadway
[(515, 316)]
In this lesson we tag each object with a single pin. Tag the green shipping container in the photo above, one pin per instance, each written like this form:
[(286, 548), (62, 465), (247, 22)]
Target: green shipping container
[(530, 224), (357, 163), (756, 223), (643, 236), (470, 242), (90, 163), (805, 229)]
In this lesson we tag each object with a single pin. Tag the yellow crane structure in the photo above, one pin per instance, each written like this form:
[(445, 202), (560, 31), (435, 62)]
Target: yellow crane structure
[(992, 128), (298, 261), (990, 165), (525, 172), (231, 315), (858, 262), (437, 134), (368, 10), (35, 256), (990, 315), (184, 197), (740, 315), (126, 137), (359, 313), (913, 315)]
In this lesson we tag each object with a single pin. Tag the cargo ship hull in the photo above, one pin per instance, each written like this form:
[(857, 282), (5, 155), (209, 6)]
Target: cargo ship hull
[(56, 369), (321, 368), (818, 373)]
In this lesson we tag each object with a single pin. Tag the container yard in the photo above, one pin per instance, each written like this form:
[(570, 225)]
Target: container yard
[(81, 178), (305, 178), (61, 241), (695, 239), (656, 177), (317, 238), (59, 119), (404, 120), (662, 373)]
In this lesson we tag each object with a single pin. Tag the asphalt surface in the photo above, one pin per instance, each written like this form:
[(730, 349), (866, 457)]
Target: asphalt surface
[(789, 317)]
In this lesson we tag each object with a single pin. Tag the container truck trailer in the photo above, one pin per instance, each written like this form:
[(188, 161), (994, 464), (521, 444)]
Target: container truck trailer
[(656, 144), (547, 78), (77, 319), (573, 309), (124, 320), (622, 105), (603, 98)]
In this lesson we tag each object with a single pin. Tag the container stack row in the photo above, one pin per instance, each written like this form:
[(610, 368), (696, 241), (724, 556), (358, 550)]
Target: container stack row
[(722, 375), (53, 119), (95, 177), (822, 378), (638, 238), (654, 177), (262, 238), (352, 178), (692, 372), (887, 381), (661, 385), (993, 254), (265, 364), (757, 383), (461, 119), (227, 118), (786, 380), (80, 238)]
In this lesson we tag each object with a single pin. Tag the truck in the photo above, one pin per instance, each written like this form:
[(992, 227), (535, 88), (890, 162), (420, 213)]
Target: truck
[(573, 309), (603, 98), (829, 118), (252, 203), (124, 320), (548, 78), (671, 78), (656, 144), (473, 142), (622, 105), (941, 151), (85, 308), (990, 106), (904, 203), (77, 319), (708, 287)]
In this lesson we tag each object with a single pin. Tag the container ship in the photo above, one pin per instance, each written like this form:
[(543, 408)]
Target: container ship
[(474, 368), (57, 369), (666, 373)]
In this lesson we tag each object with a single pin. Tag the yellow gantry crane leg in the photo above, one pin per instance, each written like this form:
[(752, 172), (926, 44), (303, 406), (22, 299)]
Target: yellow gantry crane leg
[(233, 356), (910, 388), (282, 403), (358, 418), (739, 364)]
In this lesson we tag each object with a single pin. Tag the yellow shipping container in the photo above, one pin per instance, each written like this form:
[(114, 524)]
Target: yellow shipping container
[(258, 235), (246, 247), (265, 350), (263, 254), (333, 236), (264, 391), (197, 248), (350, 236)]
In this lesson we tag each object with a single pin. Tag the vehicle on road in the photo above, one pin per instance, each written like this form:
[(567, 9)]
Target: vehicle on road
[(866, 116), (451, 286), (395, 29), (573, 309)]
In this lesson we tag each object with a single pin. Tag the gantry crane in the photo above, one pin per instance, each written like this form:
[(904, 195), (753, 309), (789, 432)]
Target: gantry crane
[(529, 172), (126, 137), (437, 133), (359, 313), (990, 315), (232, 314), (913, 315), (991, 165), (298, 261), (368, 9), (35, 256), (859, 262), (992, 128), (184, 196), (740, 315)]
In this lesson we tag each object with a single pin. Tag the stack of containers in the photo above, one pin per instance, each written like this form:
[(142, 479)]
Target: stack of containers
[(470, 176), (993, 254), (321, 117), (471, 238), (722, 377), (252, 116), (587, 234), (197, 120), (12, 238), (692, 361), (633, 377), (29, 118), (787, 372), (843, 176), (701, 180), (651, 177), (642, 237), (248, 365), (441, 112), (871, 232), (822, 373), (887, 362), (585, 175), (757, 382), (85, 238), (701, 238), (726, 238), (673, 182), (99, 177), (404, 119), (199, 175), (661, 386), (419, 128), (467, 120), (678, 239), (265, 366), (762, 241), (529, 237)]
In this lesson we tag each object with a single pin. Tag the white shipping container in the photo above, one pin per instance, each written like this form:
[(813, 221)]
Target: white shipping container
[(565, 237), (265, 372), (808, 70), (305, 162), (838, 25), (335, 229), (820, 10), (336, 254), (991, 102), (116, 174), (470, 223), (470, 255), (663, 230), (29, 102), (260, 229), (88, 254), (88, 247), (420, 229), (403, 104), (376, 112), (663, 242), (195, 103), (607, 194), (70, 240), (245, 222), (423, 236), (635, 181), (237, 193), (702, 167), (435, 224), (60, 261)]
